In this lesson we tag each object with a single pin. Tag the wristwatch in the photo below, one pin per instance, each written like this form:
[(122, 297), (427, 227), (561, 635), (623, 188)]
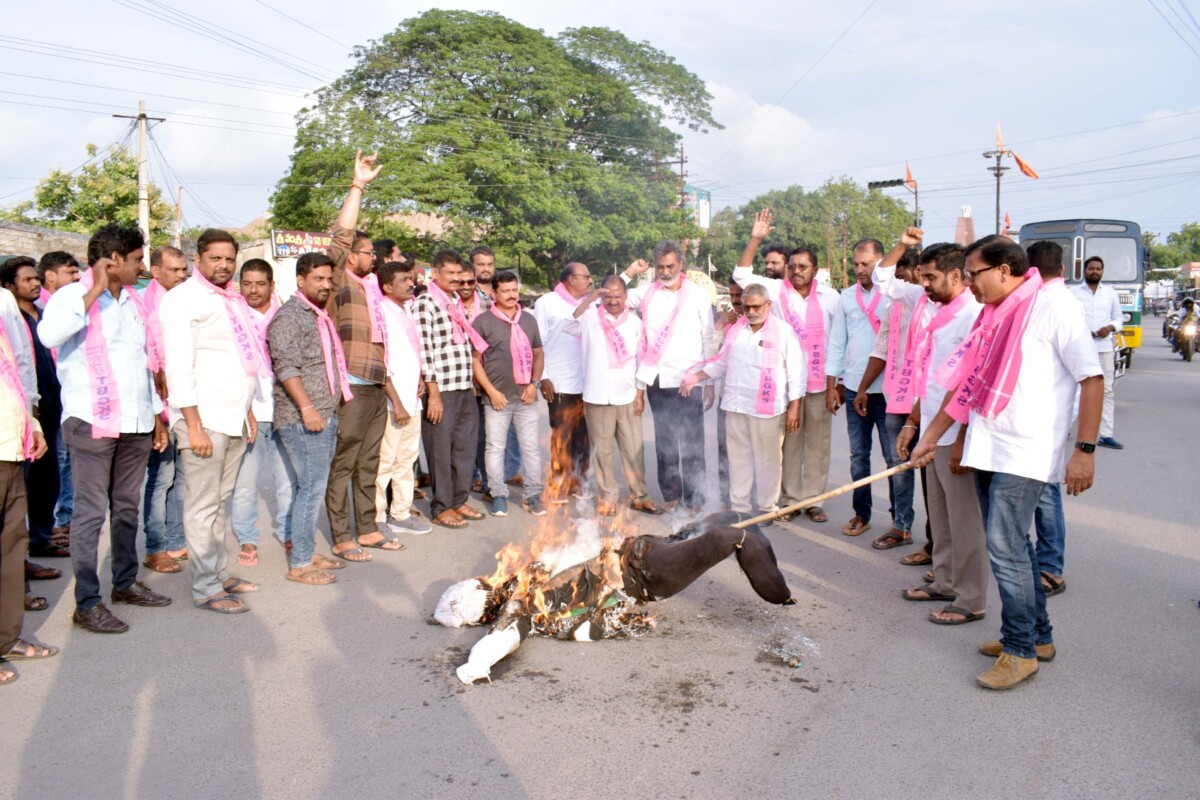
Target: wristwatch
[(1087, 447)]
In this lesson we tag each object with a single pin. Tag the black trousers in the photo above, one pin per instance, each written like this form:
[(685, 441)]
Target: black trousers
[(41, 486), (450, 449), (679, 444), (568, 434), (108, 482)]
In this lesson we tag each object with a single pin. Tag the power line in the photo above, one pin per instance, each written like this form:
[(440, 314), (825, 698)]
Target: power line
[(123, 138), (320, 33), (1171, 25), (223, 36)]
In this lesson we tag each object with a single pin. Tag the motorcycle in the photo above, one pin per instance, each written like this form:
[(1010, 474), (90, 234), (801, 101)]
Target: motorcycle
[(1185, 339), (1169, 325)]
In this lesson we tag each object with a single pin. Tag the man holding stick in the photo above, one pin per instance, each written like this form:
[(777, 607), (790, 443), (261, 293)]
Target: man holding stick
[(1013, 381)]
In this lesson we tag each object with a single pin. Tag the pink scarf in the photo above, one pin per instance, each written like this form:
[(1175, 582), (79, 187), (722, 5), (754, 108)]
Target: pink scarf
[(649, 353), (44, 296), (618, 351), (912, 378), (518, 343), (245, 332), (768, 381), (370, 287), (331, 350), (892, 368), (811, 331), (261, 326), (460, 326), (869, 310), (106, 403), (11, 378), (983, 371)]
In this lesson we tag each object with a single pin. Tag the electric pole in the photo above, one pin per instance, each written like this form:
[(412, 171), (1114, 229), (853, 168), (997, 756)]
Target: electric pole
[(179, 216), (997, 170), (143, 177)]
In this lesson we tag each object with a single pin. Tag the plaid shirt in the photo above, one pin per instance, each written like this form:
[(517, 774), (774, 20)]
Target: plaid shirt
[(445, 363), (348, 306)]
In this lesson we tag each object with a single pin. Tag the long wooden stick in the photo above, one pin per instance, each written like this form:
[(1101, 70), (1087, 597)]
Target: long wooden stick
[(821, 498)]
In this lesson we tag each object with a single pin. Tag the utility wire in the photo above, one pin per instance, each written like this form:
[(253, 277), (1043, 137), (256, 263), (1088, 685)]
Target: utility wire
[(320, 33)]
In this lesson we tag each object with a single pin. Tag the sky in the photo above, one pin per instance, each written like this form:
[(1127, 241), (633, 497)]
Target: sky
[(1100, 97)]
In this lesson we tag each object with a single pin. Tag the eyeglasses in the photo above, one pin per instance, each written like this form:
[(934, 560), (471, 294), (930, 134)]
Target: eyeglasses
[(970, 275), (471, 282), (363, 252), (756, 307)]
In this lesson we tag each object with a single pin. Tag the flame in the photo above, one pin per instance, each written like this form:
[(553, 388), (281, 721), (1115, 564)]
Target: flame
[(563, 479)]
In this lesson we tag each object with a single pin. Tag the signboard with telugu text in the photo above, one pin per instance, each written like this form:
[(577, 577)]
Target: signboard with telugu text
[(293, 244)]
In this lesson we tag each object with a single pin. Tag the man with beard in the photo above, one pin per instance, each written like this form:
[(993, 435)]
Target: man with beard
[(214, 359), (1102, 309), (855, 327)]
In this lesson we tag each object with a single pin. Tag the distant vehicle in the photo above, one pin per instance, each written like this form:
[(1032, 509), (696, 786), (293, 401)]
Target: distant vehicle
[(1119, 243)]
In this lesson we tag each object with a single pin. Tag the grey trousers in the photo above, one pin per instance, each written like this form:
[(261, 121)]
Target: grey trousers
[(613, 428), (208, 485), (960, 555), (755, 457), (806, 452)]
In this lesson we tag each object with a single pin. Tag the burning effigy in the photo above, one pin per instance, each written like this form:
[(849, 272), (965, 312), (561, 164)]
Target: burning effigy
[(570, 591)]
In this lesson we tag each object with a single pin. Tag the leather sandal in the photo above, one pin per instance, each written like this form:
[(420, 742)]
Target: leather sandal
[(856, 526), (893, 538), (466, 512), (161, 562), (448, 519)]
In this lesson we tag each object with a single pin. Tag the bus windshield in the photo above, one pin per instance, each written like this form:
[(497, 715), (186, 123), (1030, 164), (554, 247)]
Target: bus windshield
[(1120, 257)]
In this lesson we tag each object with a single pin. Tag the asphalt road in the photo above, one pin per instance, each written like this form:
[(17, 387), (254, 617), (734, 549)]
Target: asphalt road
[(349, 690)]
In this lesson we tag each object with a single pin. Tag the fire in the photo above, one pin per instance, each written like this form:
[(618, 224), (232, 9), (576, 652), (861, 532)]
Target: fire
[(562, 473)]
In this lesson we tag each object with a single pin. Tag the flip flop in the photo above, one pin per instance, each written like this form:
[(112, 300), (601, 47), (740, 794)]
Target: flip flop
[(355, 554), (161, 562), (31, 651), (7, 675), (315, 576), (210, 605), (917, 559), (236, 586), (325, 562), (892, 538), (247, 558), (1052, 584), (968, 616), (383, 544), (33, 603), (907, 594)]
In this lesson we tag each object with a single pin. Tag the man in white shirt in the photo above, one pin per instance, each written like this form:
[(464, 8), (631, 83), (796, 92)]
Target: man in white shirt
[(764, 373), (214, 360), (402, 436), (806, 451), (106, 366), (1016, 386), (943, 314), (1102, 309), (676, 323), (265, 464), (855, 326), (613, 397), (562, 384)]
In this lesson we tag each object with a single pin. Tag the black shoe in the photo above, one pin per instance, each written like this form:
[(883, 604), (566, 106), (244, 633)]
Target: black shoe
[(99, 619), (139, 594)]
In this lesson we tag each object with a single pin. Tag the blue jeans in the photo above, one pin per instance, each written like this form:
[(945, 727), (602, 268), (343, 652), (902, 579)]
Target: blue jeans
[(263, 465), (1051, 526), (162, 504), (1008, 503), (522, 421), (310, 455), (512, 452), (66, 487), (902, 485), (860, 429)]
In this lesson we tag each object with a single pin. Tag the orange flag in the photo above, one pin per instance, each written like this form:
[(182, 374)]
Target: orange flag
[(1021, 165), (1007, 224), (999, 138), (908, 178)]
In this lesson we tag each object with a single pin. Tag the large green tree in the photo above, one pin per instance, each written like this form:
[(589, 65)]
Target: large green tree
[(544, 147), (829, 219), (103, 191)]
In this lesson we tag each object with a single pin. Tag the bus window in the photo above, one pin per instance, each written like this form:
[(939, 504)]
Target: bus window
[(1120, 257)]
